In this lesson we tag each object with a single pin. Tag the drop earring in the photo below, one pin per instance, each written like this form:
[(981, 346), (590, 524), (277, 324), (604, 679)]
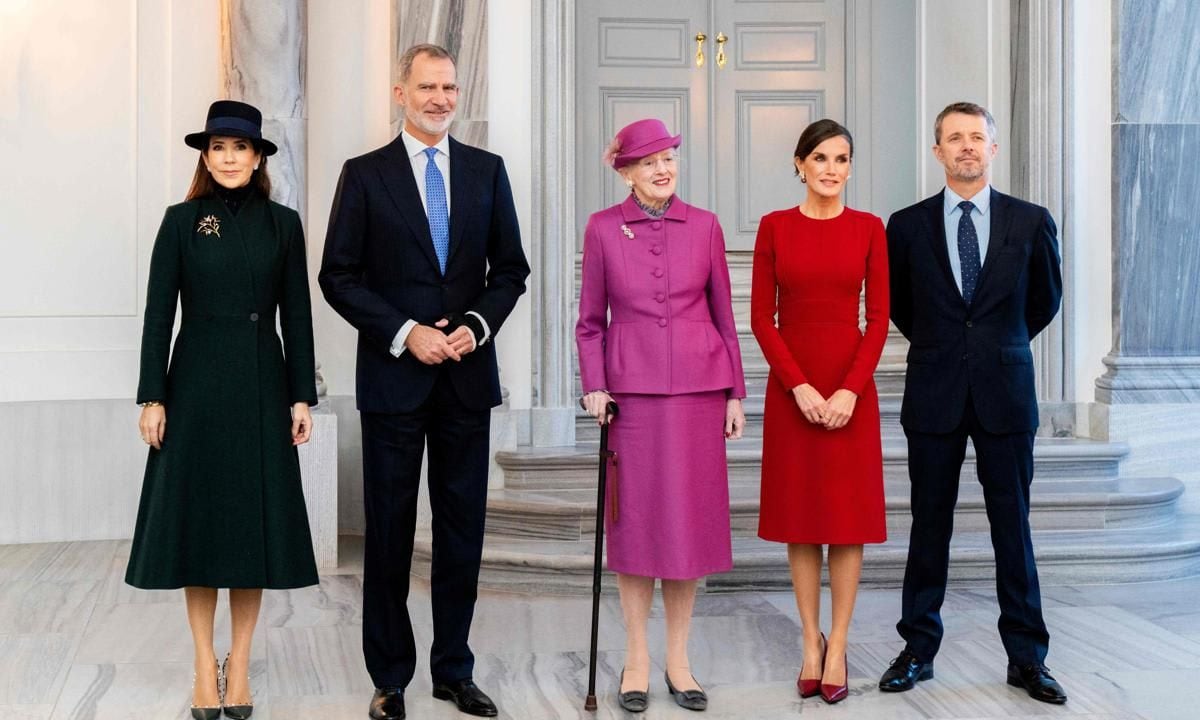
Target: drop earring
[(802, 178)]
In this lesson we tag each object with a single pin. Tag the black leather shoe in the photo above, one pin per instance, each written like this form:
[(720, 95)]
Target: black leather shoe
[(634, 701), (1038, 682), (905, 672), (387, 704), (467, 696), (688, 699)]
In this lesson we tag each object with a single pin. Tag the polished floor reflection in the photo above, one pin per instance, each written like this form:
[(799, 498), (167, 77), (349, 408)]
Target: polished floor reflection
[(75, 642)]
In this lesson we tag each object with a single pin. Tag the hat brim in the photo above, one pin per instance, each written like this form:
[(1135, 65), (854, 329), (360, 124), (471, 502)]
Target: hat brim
[(657, 145), (199, 140)]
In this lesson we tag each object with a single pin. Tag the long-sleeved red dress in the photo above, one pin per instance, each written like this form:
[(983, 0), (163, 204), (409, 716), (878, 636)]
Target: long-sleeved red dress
[(820, 486)]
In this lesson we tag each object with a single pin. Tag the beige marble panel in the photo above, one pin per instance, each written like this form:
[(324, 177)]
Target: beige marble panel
[(461, 27), (25, 712), (317, 661), (41, 607), (109, 692), (31, 666)]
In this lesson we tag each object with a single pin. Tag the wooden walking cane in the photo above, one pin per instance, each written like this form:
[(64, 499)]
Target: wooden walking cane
[(589, 703)]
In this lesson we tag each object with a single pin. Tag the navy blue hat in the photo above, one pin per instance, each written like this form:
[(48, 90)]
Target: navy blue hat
[(232, 119)]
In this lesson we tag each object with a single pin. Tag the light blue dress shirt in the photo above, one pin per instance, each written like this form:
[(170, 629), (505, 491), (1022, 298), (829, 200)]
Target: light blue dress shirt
[(981, 219)]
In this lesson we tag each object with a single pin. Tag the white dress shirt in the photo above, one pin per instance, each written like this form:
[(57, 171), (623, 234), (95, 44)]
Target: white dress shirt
[(419, 161)]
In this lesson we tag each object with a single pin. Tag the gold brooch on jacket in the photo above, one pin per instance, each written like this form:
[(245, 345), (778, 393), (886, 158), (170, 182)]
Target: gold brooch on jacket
[(210, 225), (628, 233)]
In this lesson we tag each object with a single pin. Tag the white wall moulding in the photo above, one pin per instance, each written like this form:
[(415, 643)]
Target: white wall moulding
[(69, 99)]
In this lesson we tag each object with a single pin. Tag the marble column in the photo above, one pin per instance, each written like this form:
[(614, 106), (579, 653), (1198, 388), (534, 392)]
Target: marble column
[(1156, 215), (461, 27), (1150, 392), (262, 63)]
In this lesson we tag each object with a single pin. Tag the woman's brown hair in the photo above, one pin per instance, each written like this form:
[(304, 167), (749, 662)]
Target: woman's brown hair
[(817, 133), (203, 184)]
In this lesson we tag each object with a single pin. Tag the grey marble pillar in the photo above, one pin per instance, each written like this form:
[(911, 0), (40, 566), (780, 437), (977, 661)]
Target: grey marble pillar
[(263, 63), (1156, 204), (461, 27)]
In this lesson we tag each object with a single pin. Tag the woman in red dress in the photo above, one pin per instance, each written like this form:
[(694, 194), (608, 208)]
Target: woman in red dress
[(822, 469)]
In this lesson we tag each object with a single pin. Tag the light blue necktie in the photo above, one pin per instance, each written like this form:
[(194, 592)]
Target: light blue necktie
[(435, 209), (968, 251)]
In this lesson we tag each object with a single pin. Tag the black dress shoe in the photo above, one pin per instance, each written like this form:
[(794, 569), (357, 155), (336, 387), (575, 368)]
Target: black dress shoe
[(1038, 682), (467, 696), (634, 701), (387, 704), (905, 672), (687, 699)]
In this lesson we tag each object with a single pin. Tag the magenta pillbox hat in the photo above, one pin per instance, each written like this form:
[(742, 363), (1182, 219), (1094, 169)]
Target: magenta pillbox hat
[(639, 139)]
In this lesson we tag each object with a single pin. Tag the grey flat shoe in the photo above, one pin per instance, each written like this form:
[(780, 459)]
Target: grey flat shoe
[(635, 700), (688, 699)]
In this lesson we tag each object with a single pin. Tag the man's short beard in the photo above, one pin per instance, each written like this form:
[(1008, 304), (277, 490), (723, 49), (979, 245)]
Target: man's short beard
[(961, 173), (420, 121)]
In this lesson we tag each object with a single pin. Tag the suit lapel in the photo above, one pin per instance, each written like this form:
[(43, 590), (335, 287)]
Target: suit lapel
[(934, 210), (998, 236), (397, 175), (460, 193)]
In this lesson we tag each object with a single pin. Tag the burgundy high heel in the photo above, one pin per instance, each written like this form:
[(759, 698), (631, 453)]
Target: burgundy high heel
[(835, 693), (812, 687)]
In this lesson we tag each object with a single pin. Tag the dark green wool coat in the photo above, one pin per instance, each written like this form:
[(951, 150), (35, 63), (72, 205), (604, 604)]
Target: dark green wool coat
[(221, 502)]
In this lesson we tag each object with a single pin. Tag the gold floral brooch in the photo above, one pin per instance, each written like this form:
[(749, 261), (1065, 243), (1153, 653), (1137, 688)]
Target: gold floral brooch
[(210, 225)]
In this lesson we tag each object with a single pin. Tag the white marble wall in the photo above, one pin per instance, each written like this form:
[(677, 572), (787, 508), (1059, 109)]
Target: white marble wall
[(263, 48), (460, 26), (1156, 219)]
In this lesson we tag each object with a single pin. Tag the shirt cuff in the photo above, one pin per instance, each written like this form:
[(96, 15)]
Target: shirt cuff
[(487, 331), (398, 347)]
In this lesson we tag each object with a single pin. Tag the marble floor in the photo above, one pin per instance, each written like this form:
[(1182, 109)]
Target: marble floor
[(75, 642)]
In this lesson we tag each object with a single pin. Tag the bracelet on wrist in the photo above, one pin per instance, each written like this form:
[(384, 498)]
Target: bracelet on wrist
[(151, 403)]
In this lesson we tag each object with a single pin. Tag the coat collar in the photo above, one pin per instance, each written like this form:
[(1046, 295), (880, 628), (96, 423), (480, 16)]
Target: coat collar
[(630, 212)]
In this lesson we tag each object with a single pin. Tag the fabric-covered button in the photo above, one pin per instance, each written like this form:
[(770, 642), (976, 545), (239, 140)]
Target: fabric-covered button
[(662, 322), (659, 297), (657, 224), (656, 249), (253, 317), (658, 272)]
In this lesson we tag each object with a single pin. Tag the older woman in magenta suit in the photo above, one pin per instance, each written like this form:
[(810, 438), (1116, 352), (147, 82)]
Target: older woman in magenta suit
[(669, 357)]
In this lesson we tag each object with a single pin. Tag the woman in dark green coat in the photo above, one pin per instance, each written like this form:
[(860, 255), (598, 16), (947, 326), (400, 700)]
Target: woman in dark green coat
[(221, 504)]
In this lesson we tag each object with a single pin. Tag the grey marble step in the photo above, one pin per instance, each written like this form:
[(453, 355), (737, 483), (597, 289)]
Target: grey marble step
[(575, 467), (1064, 557), (1055, 505)]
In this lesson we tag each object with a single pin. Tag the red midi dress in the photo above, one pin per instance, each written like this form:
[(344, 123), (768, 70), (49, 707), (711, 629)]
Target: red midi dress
[(820, 486)]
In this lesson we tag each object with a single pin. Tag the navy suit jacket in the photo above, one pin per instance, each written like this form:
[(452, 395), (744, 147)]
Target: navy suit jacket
[(979, 351), (379, 270)]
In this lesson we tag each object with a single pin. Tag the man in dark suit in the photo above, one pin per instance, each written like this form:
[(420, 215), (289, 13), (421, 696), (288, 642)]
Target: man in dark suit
[(974, 278), (424, 258)]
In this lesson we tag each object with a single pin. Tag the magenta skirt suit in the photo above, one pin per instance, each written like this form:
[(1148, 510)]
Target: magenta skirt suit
[(656, 330)]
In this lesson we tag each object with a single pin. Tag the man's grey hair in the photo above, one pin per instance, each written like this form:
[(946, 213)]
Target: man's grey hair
[(406, 60), (964, 108)]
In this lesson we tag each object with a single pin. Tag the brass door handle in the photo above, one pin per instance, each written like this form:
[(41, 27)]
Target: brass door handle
[(722, 38), (700, 38)]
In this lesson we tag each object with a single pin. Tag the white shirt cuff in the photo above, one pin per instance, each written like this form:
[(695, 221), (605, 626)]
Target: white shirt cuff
[(398, 347), (487, 331)]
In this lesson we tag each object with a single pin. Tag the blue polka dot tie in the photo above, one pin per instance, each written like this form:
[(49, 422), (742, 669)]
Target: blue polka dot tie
[(439, 216), (968, 251)]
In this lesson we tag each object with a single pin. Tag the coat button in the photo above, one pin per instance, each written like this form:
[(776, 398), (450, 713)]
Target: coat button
[(966, 355), (656, 249), (655, 225), (662, 322), (970, 324), (253, 317), (659, 297), (658, 272)]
